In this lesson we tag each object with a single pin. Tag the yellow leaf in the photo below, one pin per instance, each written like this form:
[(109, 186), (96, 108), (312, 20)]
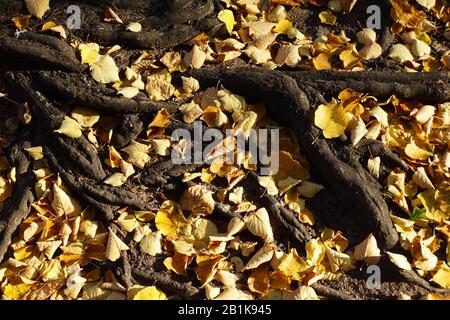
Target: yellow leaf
[(268, 183), (116, 179), (283, 26), (159, 86), (50, 25), (332, 119), (21, 22), (263, 255), (399, 260), (207, 267), (134, 27), (128, 92), (137, 154), (149, 293), (169, 218), (5, 189), (339, 260), (16, 292), (70, 127), (35, 152), (191, 112), (62, 203), (161, 120), (86, 117), (259, 280), (292, 265), (227, 17), (198, 199), (89, 52), (51, 270), (415, 152), (327, 17), (349, 58), (258, 223), (322, 61), (195, 58), (161, 146), (151, 244), (178, 263), (114, 246), (368, 251), (104, 69), (37, 7)]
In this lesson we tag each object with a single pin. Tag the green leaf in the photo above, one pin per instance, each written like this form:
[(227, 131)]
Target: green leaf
[(417, 213)]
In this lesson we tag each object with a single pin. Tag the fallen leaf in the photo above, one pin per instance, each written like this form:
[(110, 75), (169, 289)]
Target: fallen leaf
[(195, 58), (442, 276), (151, 244), (89, 52), (169, 218), (86, 117), (62, 203), (399, 260), (417, 153), (117, 179), (258, 223), (70, 128), (149, 293), (38, 7), (263, 255), (104, 69), (137, 154), (368, 251), (114, 246), (50, 25), (327, 17), (400, 53), (198, 199), (111, 16), (21, 22), (332, 119), (134, 27), (227, 17), (35, 152), (288, 54)]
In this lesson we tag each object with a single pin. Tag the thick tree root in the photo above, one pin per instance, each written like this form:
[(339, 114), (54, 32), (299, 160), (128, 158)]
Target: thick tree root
[(433, 87), (330, 293), (66, 87), (15, 210), (37, 51)]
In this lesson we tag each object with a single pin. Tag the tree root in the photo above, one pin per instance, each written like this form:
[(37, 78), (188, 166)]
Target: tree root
[(15, 210), (330, 293), (433, 87), (66, 87), (37, 51)]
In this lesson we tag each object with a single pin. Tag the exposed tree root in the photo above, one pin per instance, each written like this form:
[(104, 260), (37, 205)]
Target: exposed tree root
[(430, 87), (37, 51), (330, 293), (15, 210), (66, 87)]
